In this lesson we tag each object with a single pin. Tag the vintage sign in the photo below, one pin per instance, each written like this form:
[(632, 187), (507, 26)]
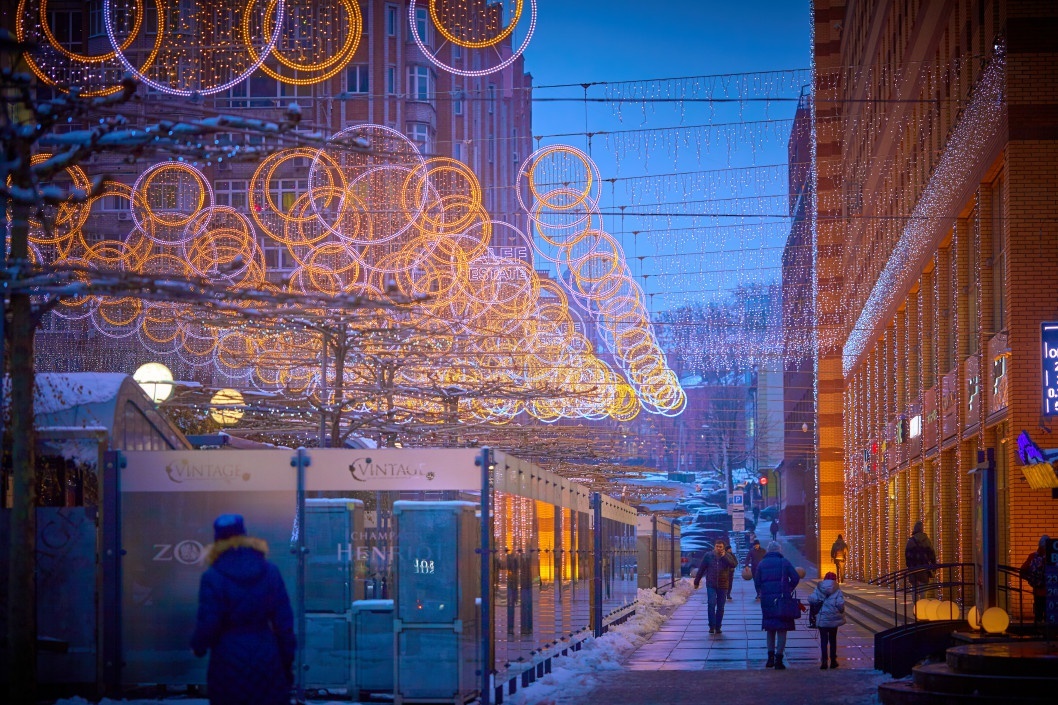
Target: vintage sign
[(949, 404), (930, 418), (999, 359)]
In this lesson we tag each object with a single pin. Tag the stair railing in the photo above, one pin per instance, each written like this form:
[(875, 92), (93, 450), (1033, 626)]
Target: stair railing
[(953, 582)]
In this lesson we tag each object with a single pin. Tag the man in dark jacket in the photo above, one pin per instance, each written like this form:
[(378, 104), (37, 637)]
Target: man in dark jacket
[(775, 579), (244, 621), (753, 558), (839, 553), (717, 567), (919, 555)]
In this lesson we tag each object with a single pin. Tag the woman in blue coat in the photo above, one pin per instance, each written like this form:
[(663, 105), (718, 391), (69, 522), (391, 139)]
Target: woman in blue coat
[(244, 621), (775, 578)]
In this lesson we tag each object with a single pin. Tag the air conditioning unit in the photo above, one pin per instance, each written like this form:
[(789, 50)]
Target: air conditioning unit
[(124, 215)]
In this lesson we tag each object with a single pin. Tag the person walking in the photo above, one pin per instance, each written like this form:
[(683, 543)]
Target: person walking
[(919, 556), (775, 579), (829, 600), (753, 558), (717, 567), (774, 529), (1032, 572), (244, 621), (730, 580), (839, 553)]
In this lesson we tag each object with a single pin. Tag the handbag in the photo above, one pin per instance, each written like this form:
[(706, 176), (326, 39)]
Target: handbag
[(747, 573), (789, 606)]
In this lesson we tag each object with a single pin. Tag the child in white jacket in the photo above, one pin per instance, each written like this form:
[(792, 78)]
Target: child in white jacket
[(831, 606)]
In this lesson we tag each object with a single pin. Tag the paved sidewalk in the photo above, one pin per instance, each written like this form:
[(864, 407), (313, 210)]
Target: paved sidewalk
[(668, 668)]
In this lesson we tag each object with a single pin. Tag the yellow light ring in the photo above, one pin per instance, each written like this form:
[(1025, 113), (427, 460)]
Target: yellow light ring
[(450, 188), (221, 235), (120, 313), (57, 46), (461, 12), (160, 325), (300, 233), (76, 307), (561, 228), (598, 265), (568, 166), (327, 68), (173, 221), (86, 62), (265, 174), (469, 244)]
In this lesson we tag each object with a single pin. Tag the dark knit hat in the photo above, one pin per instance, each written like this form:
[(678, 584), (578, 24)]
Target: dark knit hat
[(830, 576), (228, 525)]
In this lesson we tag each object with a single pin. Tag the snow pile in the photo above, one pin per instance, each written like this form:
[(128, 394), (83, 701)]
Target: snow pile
[(574, 675)]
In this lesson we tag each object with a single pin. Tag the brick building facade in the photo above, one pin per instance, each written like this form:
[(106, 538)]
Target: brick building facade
[(937, 236)]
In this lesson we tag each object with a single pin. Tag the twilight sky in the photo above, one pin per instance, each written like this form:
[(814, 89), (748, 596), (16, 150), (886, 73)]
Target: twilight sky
[(730, 155)]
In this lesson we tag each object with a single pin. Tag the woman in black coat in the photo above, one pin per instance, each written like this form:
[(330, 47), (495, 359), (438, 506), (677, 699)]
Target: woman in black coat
[(775, 578), (244, 621)]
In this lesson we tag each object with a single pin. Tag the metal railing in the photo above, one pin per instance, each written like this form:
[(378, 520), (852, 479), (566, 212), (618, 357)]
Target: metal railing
[(952, 582), (955, 582)]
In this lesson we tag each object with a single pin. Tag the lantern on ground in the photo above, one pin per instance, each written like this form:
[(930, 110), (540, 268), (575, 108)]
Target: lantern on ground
[(974, 618), (995, 620)]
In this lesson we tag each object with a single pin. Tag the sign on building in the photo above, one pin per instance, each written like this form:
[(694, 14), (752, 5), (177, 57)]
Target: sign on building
[(1049, 381)]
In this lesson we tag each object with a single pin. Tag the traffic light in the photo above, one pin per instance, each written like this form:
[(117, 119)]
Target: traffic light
[(763, 480)]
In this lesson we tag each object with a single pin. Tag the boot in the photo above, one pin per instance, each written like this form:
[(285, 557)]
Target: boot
[(771, 660), (779, 666), (833, 663), (823, 664)]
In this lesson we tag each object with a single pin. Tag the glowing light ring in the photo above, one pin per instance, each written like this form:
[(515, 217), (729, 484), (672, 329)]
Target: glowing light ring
[(78, 61), (504, 33), (335, 64), (463, 72), (140, 192), (141, 76)]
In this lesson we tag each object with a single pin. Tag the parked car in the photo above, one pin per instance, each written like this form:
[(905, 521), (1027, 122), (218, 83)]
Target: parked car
[(769, 513)]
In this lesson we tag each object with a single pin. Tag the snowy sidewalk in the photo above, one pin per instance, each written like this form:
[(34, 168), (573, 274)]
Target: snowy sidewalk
[(684, 643)]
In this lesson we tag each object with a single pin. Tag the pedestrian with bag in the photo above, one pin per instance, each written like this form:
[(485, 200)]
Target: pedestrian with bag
[(828, 601), (730, 580), (717, 567), (775, 580), (1032, 572), (753, 558), (839, 553), (919, 556), (244, 621)]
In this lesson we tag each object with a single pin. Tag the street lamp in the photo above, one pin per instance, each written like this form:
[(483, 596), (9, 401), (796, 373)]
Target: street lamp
[(155, 380)]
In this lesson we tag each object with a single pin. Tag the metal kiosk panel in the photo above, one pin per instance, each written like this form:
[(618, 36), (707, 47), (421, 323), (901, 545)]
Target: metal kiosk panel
[(438, 571)]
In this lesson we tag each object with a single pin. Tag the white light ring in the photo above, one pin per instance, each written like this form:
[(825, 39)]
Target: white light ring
[(462, 72), (266, 50)]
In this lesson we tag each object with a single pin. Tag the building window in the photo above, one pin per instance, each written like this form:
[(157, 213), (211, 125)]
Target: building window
[(285, 192), (391, 80), (96, 28), (419, 133), (391, 21), (457, 102), (492, 98), (67, 27), (492, 149), (420, 83), (231, 194), (514, 140), (457, 52), (357, 78), (422, 24), (457, 151)]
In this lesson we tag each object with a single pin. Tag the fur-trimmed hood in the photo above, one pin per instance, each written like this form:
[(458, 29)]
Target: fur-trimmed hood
[(214, 551)]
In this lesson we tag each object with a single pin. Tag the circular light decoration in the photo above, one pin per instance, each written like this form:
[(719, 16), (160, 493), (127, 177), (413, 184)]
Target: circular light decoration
[(187, 66), (58, 67), (974, 618), (306, 56), (155, 380), (995, 620), (924, 609), (224, 407), (481, 29)]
